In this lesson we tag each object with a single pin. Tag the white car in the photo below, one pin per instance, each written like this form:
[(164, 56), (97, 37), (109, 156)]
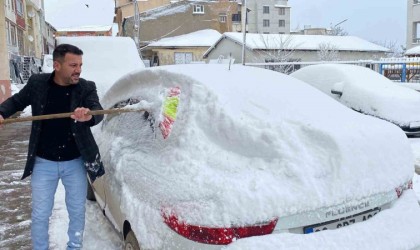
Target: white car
[(252, 152), (367, 92)]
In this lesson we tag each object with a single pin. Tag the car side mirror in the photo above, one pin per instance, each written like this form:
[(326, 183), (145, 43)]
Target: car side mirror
[(337, 89)]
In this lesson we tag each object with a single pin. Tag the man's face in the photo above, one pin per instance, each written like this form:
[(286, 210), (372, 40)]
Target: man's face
[(68, 70)]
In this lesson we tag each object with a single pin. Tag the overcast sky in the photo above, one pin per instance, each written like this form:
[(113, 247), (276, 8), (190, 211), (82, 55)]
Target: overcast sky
[(372, 20)]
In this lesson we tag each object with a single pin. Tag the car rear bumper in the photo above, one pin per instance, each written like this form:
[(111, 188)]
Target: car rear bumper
[(393, 228)]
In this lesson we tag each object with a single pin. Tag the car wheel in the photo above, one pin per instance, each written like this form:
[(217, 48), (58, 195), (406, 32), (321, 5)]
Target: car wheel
[(90, 195), (131, 242)]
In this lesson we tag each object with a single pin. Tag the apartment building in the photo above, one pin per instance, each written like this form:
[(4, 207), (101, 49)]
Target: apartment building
[(22, 42), (268, 16), (126, 8), (180, 18), (4, 61), (413, 23)]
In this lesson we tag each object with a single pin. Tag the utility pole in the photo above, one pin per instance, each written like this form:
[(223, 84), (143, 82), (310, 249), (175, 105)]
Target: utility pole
[(244, 17), (136, 28)]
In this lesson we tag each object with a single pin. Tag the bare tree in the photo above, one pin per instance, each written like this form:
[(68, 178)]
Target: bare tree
[(327, 52), (337, 30), (394, 49), (278, 49)]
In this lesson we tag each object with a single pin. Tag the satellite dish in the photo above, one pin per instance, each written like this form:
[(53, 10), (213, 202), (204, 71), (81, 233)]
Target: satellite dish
[(30, 38), (31, 13)]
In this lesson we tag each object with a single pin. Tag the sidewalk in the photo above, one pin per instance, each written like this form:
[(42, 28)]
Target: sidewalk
[(15, 205)]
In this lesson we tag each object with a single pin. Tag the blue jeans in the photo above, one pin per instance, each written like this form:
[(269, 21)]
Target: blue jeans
[(44, 181)]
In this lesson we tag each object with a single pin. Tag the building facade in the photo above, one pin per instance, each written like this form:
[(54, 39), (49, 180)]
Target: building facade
[(4, 59), (23, 40), (413, 23), (126, 8), (268, 16), (181, 18), (94, 30)]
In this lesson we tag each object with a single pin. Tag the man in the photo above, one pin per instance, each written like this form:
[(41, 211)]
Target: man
[(59, 148)]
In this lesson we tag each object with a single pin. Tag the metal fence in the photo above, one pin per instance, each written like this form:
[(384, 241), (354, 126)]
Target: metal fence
[(396, 69)]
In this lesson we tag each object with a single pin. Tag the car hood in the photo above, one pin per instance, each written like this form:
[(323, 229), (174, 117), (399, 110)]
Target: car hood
[(248, 145), (366, 91)]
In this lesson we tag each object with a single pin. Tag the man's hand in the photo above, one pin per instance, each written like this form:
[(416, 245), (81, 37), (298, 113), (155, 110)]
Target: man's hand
[(80, 115)]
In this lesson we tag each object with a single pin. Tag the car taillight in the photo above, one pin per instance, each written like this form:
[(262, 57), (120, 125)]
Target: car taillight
[(217, 236), (399, 190)]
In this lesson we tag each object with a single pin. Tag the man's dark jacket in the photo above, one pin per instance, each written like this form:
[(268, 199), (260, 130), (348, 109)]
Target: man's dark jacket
[(35, 94)]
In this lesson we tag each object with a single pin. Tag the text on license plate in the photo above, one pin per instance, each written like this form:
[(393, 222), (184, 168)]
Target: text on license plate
[(341, 222)]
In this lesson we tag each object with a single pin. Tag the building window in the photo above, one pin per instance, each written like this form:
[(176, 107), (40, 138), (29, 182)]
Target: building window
[(236, 17), (13, 34), (266, 9), (183, 58), (282, 23), (8, 40), (19, 7), (416, 1), (282, 11), (222, 18), (198, 9), (20, 41), (266, 23)]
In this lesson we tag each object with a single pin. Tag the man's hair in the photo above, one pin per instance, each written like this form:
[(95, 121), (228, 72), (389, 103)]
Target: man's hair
[(61, 50)]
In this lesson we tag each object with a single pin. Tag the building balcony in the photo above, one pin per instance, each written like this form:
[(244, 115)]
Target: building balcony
[(36, 4)]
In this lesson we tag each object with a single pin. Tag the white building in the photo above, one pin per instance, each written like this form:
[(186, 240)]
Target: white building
[(262, 48), (268, 16), (413, 23)]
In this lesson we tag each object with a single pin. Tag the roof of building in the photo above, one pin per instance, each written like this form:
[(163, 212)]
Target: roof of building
[(96, 28), (300, 42), (201, 38), (413, 51)]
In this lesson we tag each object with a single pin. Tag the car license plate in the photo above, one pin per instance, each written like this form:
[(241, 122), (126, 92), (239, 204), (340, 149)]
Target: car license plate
[(341, 222)]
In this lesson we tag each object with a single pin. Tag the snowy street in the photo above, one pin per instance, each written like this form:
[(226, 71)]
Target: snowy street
[(15, 205)]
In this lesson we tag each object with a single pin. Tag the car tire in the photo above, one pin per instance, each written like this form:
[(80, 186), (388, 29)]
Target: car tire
[(90, 195), (131, 242)]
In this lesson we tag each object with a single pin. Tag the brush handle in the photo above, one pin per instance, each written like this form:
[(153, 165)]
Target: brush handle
[(66, 115)]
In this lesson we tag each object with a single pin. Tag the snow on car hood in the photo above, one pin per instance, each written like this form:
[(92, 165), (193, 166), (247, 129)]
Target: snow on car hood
[(365, 90), (248, 145)]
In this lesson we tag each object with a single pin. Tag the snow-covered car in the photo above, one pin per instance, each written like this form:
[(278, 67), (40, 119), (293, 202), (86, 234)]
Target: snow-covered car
[(252, 152), (367, 92), (47, 64)]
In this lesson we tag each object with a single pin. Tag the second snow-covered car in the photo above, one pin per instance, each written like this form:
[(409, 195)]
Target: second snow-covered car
[(367, 92), (251, 152)]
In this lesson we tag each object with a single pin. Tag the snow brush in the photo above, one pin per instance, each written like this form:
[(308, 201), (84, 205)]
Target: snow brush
[(167, 119)]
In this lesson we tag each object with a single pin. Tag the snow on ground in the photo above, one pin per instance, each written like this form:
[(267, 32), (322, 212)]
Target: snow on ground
[(99, 233), (16, 88)]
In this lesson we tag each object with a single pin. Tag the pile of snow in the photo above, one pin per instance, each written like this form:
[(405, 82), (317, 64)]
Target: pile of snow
[(303, 42), (248, 145), (364, 90), (201, 38), (105, 59), (15, 88)]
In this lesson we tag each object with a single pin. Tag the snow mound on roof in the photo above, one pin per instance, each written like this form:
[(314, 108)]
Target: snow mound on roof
[(105, 59), (203, 38), (304, 42), (365, 90), (413, 51)]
